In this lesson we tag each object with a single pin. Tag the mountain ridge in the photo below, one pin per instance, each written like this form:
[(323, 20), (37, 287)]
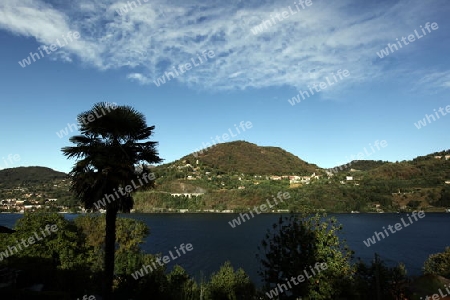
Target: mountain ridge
[(212, 155), (220, 175), (239, 157)]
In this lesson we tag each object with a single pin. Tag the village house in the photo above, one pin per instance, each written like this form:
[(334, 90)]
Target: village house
[(303, 179)]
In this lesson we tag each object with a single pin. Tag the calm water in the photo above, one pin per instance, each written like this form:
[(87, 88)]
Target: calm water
[(215, 242)]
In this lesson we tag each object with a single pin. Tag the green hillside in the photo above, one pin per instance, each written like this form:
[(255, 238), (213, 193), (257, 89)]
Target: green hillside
[(239, 175), (35, 186), (248, 158), (361, 165), (26, 176)]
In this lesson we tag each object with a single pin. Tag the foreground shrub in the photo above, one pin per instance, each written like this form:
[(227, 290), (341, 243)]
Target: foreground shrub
[(295, 245), (438, 264)]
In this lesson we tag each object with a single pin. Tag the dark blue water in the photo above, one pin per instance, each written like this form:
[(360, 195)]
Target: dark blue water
[(215, 242)]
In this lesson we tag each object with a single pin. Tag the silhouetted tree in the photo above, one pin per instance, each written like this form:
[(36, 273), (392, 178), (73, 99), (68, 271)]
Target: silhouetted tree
[(108, 151), (303, 256)]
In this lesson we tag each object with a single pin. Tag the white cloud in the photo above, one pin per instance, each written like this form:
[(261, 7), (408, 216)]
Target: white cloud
[(32, 19), (154, 36), (139, 77), (434, 81)]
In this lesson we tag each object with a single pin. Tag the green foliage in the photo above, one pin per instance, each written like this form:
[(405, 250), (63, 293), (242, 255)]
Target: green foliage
[(297, 242), (377, 281), (155, 283), (445, 197), (61, 247), (71, 258), (57, 260), (70, 261), (129, 235), (227, 284), (92, 228), (428, 285), (361, 165), (438, 264), (181, 285), (424, 171)]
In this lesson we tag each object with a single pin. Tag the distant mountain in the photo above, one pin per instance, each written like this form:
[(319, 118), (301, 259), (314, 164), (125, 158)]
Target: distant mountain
[(20, 176), (244, 157)]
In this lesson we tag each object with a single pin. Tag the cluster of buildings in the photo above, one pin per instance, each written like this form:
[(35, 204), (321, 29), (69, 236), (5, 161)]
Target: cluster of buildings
[(16, 205), (295, 179)]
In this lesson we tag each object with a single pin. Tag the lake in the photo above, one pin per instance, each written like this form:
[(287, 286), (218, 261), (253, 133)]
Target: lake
[(215, 241)]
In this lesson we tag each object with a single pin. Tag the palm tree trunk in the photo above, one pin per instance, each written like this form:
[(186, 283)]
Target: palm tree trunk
[(110, 245)]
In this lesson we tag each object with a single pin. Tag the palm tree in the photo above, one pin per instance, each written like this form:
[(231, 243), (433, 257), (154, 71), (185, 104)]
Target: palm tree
[(109, 151)]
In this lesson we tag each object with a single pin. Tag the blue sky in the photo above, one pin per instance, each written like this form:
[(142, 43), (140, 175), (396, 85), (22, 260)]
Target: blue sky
[(251, 76)]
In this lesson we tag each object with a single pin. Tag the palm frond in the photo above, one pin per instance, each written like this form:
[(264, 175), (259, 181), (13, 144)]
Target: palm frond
[(111, 144)]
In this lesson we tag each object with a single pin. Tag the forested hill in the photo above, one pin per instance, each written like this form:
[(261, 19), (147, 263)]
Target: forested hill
[(247, 158), (23, 176), (425, 170)]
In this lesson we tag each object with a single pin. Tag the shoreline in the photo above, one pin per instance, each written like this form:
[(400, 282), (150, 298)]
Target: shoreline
[(238, 212)]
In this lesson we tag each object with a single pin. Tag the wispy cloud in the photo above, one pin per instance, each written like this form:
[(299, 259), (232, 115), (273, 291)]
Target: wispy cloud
[(139, 78), (154, 36), (435, 80)]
